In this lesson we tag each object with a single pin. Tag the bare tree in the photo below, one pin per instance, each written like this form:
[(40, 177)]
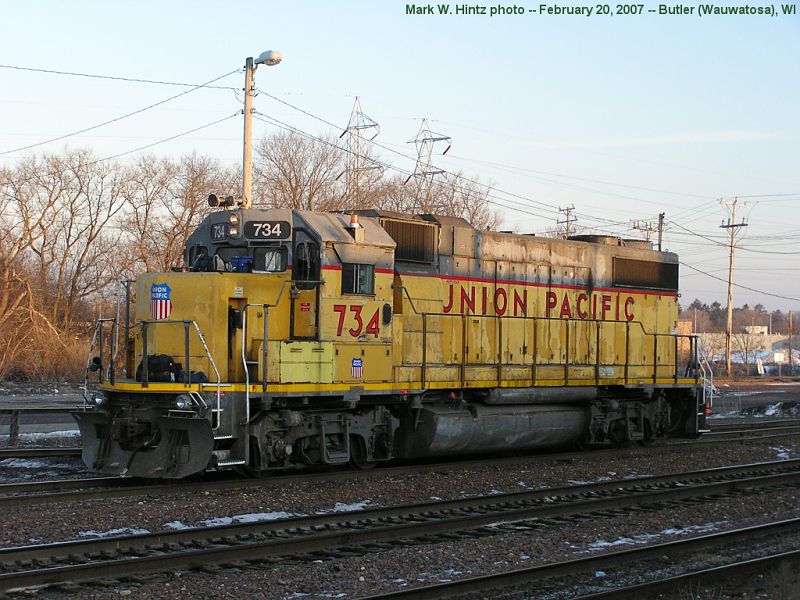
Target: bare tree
[(298, 172), (61, 208), (164, 202), (451, 195)]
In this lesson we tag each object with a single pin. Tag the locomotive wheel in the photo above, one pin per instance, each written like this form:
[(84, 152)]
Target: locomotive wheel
[(617, 433), (358, 455), (649, 434), (253, 469)]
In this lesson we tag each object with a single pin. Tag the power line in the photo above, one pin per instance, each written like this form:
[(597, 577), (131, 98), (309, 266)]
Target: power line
[(138, 149), (718, 243), (119, 78), (744, 287), (116, 119)]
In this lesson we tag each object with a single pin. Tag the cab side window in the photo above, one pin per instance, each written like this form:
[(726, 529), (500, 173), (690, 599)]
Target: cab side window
[(306, 265), (358, 279)]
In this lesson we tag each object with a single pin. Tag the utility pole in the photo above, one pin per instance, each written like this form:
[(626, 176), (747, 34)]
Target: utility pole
[(269, 58), (660, 229), (247, 154), (791, 362), (646, 228), (568, 220), (733, 228)]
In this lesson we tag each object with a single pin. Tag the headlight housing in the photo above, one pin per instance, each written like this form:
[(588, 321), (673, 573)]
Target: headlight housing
[(99, 400), (183, 402)]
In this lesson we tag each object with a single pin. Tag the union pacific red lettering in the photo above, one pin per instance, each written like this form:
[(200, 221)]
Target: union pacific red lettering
[(566, 310), (581, 298), (521, 303), (605, 302), (484, 295), (500, 294), (628, 303), (616, 317), (468, 300), (449, 306), (551, 302)]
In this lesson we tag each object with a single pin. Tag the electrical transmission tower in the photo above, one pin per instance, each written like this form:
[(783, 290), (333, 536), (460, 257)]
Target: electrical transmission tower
[(360, 129), (424, 170), (569, 219), (733, 230)]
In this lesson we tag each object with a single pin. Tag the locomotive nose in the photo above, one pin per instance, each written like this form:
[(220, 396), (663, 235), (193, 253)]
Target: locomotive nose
[(145, 444)]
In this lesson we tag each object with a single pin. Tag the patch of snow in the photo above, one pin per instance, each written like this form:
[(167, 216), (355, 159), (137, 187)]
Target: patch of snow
[(113, 532), (435, 498), (342, 507), (643, 538), (295, 595), (599, 573), (248, 518), (33, 436), (773, 409), (781, 453), (266, 516), (32, 463)]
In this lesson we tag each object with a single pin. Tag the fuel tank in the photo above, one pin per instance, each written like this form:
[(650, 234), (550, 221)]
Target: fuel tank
[(442, 431)]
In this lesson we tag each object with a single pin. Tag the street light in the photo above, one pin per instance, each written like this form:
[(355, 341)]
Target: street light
[(269, 58)]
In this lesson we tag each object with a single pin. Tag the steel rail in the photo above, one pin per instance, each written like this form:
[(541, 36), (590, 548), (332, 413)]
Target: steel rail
[(35, 493), (38, 452), (742, 567), (245, 541), (488, 583)]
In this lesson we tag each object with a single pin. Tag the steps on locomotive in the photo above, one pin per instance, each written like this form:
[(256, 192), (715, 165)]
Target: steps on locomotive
[(329, 430), (223, 459)]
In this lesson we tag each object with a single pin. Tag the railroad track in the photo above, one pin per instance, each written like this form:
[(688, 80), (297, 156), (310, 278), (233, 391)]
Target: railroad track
[(43, 492), (585, 567), (340, 534), (739, 424), (751, 432), (38, 452)]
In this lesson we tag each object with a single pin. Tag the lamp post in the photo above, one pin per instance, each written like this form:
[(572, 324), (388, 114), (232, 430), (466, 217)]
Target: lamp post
[(269, 58)]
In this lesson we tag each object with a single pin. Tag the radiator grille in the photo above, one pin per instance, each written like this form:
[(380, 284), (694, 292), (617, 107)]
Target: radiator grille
[(416, 242), (645, 274)]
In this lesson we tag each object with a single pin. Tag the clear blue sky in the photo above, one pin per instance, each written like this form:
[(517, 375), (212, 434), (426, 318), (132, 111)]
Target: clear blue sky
[(622, 116)]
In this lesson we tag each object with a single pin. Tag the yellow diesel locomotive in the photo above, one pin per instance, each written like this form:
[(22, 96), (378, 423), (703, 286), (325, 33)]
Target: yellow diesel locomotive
[(299, 338)]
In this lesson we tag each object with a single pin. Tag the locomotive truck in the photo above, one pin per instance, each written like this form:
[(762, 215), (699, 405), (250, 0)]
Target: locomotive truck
[(294, 338)]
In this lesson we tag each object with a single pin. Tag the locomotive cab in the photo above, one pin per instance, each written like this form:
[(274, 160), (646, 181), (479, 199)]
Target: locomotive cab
[(242, 315)]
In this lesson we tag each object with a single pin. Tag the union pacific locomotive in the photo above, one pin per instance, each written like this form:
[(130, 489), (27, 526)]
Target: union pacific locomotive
[(297, 338)]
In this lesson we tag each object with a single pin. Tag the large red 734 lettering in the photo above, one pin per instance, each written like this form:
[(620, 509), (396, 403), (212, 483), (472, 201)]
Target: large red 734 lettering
[(373, 325)]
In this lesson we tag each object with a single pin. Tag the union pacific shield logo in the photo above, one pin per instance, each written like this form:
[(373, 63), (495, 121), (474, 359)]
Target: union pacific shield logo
[(160, 301)]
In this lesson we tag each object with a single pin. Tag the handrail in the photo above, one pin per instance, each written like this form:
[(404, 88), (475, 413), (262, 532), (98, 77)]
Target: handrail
[(265, 307), (187, 373), (97, 338), (708, 377)]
